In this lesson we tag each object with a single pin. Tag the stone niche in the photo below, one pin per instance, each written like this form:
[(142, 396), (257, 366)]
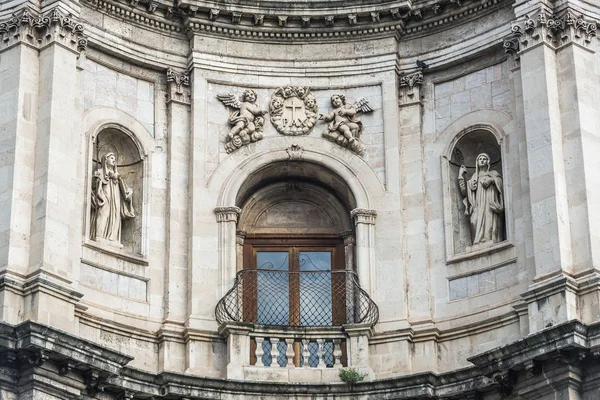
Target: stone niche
[(130, 168), (474, 219)]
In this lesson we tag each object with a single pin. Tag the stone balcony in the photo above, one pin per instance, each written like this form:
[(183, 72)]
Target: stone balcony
[(285, 326)]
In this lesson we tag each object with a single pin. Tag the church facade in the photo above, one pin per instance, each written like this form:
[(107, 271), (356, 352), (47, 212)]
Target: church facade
[(373, 199)]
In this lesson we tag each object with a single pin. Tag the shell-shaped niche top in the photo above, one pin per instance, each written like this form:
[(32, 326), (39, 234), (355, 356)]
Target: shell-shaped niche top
[(293, 110)]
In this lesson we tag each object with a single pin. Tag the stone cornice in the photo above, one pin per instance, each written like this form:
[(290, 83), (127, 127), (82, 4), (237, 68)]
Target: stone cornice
[(497, 370), (279, 23), (38, 30), (140, 15)]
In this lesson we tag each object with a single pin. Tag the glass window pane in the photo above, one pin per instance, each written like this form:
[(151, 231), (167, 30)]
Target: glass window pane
[(315, 288), (273, 301)]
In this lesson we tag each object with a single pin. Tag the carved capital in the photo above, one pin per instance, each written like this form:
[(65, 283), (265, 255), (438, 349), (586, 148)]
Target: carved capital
[(577, 30), (554, 31), (39, 30), (227, 214), (410, 87), (363, 216), (178, 85)]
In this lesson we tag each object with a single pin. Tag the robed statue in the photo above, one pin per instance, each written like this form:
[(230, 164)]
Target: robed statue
[(112, 202), (483, 201)]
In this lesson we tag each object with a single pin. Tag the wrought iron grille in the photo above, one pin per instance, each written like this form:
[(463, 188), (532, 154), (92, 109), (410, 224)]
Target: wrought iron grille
[(302, 299)]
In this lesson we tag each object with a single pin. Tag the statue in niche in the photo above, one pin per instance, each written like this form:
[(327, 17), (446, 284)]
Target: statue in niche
[(483, 201), (344, 126), (247, 120), (293, 110), (112, 202)]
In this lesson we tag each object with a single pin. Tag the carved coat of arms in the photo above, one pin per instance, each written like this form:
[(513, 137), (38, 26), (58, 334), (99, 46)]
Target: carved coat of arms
[(293, 110)]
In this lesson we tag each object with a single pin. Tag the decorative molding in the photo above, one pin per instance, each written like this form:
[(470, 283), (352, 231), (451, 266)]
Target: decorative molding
[(39, 30), (295, 152), (153, 21), (227, 214), (363, 216), (410, 87), (247, 119), (554, 31), (344, 126), (178, 86), (293, 110), (152, 5)]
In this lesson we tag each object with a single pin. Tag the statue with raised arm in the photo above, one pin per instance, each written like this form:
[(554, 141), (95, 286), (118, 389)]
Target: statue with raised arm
[(112, 202), (246, 120), (484, 204)]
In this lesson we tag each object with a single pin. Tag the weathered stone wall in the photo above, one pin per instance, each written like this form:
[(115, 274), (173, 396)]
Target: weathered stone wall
[(431, 78)]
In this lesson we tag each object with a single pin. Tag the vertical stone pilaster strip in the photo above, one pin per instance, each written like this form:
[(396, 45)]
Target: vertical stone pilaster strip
[(414, 243), (364, 221), (227, 218), (16, 64)]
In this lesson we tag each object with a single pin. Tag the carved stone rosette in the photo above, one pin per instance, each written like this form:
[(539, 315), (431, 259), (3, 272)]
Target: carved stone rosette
[(293, 110)]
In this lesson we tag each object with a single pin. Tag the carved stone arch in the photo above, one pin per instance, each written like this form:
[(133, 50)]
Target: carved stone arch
[(360, 183), (474, 134), (112, 131), (294, 207)]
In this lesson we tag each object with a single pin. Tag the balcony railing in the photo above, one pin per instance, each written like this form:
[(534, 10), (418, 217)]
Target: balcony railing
[(297, 299)]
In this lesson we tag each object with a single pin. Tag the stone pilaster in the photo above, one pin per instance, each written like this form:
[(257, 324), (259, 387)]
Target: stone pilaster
[(349, 247), (45, 134), (364, 221), (558, 97), (227, 218), (176, 274), (415, 254), (19, 76)]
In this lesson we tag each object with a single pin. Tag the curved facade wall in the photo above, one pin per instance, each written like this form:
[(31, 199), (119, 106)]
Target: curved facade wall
[(444, 151)]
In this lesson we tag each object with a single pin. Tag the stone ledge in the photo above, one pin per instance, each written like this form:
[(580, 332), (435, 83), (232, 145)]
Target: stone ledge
[(571, 343)]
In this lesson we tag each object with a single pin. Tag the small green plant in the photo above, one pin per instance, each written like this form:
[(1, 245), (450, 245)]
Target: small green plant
[(351, 375)]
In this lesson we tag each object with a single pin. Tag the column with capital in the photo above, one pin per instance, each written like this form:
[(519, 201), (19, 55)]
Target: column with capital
[(176, 273), (364, 221), (227, 218)]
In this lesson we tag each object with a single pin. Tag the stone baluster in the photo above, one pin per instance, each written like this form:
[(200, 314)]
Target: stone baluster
[(305, 353), (289, 353), (274, 353), (337, 353), (321, 353), (259, 352)]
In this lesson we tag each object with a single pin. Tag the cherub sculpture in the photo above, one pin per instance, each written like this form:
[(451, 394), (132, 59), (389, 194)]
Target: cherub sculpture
[(344, 126), (247, 120)]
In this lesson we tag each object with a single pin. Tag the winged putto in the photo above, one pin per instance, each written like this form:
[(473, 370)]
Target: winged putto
[(344, 126), (246, 120)]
